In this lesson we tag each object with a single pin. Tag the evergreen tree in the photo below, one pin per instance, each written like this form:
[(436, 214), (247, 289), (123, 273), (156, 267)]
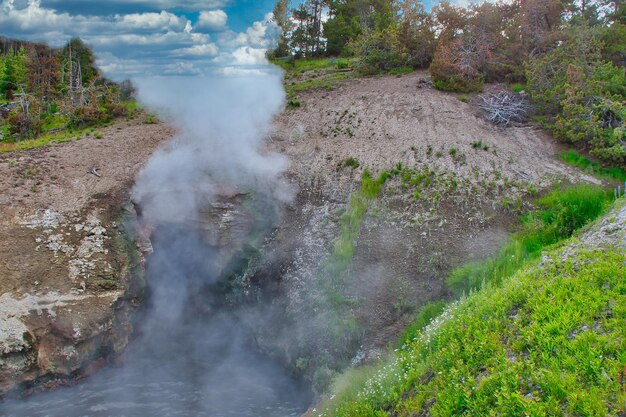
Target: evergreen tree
[(8, 81), (283, 21)]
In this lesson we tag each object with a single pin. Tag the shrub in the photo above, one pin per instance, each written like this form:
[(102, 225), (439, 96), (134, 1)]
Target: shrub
[(116, 110), (584, 95), (24, 125), (85, 116), (150, 120), (455, 84), (350, 162), (455, 70), (379, 52)]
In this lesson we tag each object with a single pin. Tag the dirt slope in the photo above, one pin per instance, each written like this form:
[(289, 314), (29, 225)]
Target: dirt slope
[(63, 260), (451, 201), (385, 120)]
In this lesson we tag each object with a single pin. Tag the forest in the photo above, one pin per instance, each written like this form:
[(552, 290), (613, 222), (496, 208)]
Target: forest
[(567, 56), (48, 90)]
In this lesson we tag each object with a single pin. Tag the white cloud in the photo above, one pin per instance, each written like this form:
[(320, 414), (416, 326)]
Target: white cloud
[(249, 56), (188, 5), (209, 49), (145, 43), (168, 38), (163, 20), (261, 34), (212, 20), (183, 5)]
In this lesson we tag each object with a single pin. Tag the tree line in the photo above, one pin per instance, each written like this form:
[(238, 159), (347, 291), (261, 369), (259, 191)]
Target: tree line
[(569, 55), (44, 87)]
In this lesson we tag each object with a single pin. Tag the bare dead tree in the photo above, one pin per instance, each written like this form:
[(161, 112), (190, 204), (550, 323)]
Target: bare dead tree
[(504, 108), (72, 70)]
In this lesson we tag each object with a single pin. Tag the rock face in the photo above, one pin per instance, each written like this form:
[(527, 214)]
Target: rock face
[(70, 276)]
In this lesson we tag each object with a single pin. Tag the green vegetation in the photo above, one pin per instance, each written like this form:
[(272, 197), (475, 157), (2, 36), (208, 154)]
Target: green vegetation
[(423, 318), (558, 216), (350, 162), (518, 88), (350, 226), (294, 104), (304, 65), (478, 144), (401, 70), (549, 342), (46, 139), (335, 332), (150, 119), (574, 158), (327, 81), (46, 90), (582, 94)]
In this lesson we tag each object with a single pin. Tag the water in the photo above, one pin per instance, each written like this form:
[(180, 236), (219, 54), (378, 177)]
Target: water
[(193, 356)]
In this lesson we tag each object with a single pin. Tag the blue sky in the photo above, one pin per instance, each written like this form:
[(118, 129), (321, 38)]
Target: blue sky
[(135, 38)]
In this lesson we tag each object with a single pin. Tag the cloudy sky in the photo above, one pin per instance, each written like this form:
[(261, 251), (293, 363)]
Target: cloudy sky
[(149, 37)]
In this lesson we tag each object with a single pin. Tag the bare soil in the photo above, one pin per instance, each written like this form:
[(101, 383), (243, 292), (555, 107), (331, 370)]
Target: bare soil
[(385, 120)]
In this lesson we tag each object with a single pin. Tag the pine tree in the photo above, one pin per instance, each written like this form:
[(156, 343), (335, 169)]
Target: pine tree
[(8, 82), (281, 17)]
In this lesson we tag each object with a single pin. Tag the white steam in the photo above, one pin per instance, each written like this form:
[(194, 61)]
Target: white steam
[(222, 121)]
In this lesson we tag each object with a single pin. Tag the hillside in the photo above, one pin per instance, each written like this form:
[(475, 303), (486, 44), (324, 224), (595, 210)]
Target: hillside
[(550, 341), (396, 184)]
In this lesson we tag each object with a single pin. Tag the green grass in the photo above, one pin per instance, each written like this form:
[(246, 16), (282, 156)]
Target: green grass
[(518, 88), (336, 325), (47, 139), (326, 82), (294, 104), (424, 316), (350, 162), (131, 106), (574, 158), (401, 71), (54, 122), (558, 216), (478, 144), (150, 119), (303, 65), (549, 341), (344, 247)]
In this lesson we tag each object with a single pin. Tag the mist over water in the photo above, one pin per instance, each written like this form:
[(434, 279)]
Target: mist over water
[(194, 354)]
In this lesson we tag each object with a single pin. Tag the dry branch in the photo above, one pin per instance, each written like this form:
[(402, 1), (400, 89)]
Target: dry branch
[(504, 108)]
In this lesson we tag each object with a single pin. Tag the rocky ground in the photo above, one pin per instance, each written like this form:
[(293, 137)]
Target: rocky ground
[(64, 260)]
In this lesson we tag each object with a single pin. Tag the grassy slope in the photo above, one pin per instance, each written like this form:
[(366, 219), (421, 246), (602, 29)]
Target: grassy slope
[(52, 137), (550, 341)]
